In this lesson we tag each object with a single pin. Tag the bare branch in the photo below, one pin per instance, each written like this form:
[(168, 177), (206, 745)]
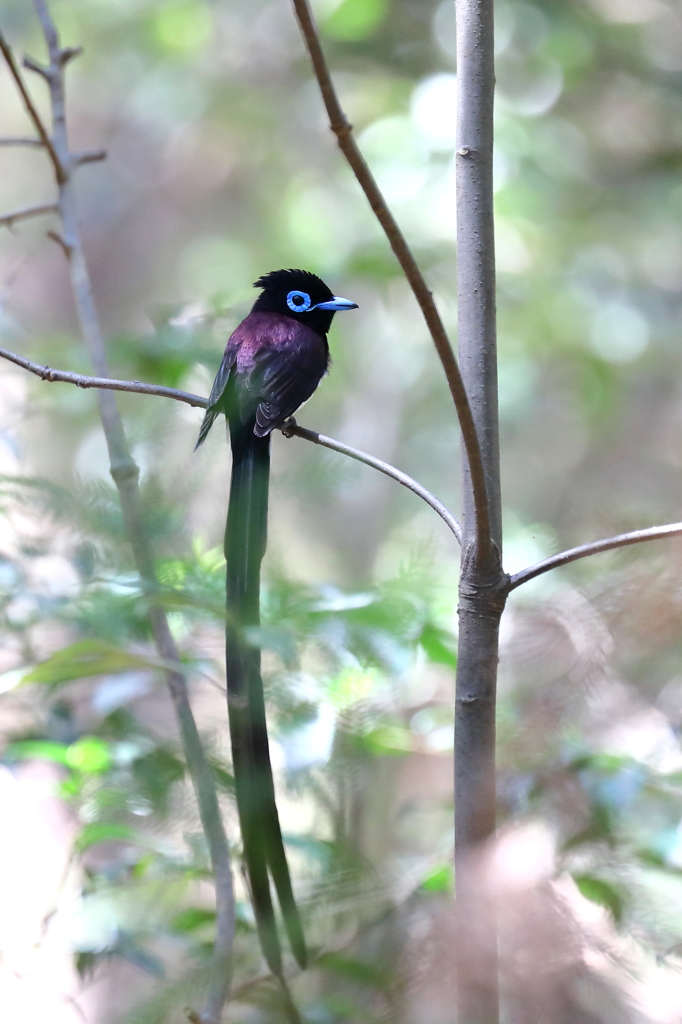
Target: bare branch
[(621, 540), (103, 383), (91, 156), (59, 239), (20, 141), (289, 429), (33, 65), (59, 169), (24, 212), (343, 130)]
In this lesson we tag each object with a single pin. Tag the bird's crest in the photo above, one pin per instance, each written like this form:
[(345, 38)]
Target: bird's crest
[(292, 279)]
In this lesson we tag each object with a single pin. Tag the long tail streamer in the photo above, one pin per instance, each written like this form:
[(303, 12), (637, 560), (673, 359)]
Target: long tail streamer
[(245, 542)]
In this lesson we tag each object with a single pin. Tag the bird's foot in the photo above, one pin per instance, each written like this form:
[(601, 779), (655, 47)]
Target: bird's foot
[(288, 428)]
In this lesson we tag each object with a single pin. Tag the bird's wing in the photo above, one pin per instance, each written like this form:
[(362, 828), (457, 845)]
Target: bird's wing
[(223, 374), (218, 390)]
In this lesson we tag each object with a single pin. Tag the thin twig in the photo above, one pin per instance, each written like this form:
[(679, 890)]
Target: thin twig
[(20, 141), (621, 540), (59, 169), (125, 473), (90, 156), (24, 212), (104, 383), (343, 130), (291, 428)]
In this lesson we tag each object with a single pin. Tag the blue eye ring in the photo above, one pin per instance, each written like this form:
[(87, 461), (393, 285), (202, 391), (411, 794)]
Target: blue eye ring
[(302, 305)]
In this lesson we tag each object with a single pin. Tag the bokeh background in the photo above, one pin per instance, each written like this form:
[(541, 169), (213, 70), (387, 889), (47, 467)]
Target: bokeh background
[(221, 167)]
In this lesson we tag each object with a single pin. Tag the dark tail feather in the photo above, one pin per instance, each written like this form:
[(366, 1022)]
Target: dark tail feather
[(279, 869), (245, 541)]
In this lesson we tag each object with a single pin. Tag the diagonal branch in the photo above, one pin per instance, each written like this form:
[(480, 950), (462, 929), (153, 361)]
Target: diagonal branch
[(621, 540), (290, 429), (24, 212), (343, 130), (59, 170)]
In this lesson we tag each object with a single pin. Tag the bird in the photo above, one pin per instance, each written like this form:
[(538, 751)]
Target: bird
[(273, 362)]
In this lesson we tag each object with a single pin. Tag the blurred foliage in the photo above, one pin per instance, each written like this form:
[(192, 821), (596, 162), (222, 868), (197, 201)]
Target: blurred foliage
[(220, 167)]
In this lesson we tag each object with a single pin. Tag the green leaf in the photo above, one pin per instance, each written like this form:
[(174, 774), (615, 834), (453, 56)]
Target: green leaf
[(89, 658), (354, 969), (192, 918), (103, 832), (355, 19), (388, 739), (90, 755), (601, 892), (439, 879), (438, 646), (38, 750), (655, 859), (155, 774), (224, 779)]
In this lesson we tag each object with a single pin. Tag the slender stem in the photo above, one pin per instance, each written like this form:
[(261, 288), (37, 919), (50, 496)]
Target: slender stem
[(621, 540), (291, 428), (343, 130), (20, 141), (24, 212), (60, 171), (483, 585), (125, 474)]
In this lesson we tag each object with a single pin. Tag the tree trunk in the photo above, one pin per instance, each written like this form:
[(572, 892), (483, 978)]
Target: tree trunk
[(483, 584)]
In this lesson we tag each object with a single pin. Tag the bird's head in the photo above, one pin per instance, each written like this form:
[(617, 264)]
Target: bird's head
[(302, 296)]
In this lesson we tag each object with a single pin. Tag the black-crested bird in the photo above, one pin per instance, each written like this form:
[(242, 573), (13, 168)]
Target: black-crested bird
[(273, 362)]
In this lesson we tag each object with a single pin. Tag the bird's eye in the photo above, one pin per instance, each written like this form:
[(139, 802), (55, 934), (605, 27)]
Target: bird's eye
[(298, 301)]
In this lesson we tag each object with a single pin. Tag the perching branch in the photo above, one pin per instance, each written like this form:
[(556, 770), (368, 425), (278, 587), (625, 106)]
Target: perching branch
[(290, 429), (343, 130), (621, 540), (47, 373), (125, 474), (24, 212)]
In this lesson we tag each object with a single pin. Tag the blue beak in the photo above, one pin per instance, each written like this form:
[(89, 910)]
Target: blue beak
[(337, 304)]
